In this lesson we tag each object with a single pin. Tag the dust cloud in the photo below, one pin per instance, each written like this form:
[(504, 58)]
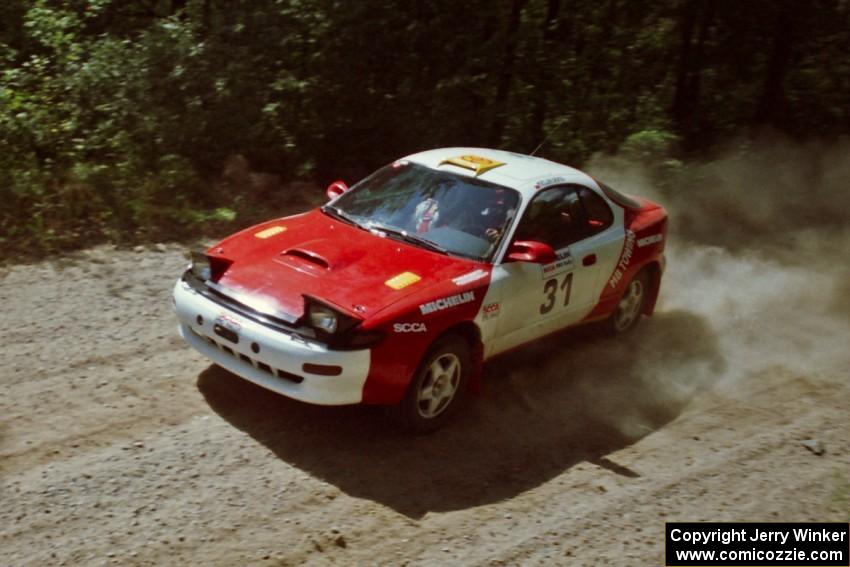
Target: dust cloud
[(770, 197), (756, 291)]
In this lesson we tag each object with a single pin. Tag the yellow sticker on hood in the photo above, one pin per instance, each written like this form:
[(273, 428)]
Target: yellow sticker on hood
[(269, 232), (402, 280)]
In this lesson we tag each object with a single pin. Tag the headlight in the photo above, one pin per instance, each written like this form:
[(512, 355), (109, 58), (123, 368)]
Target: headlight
[(200, 266), (205, 268), (339, 330), (323, 318)]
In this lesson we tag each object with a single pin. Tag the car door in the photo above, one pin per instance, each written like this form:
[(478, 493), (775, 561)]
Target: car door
[(538, 299)]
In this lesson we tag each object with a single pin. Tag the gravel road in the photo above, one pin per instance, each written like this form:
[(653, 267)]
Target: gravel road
[(121, 446)]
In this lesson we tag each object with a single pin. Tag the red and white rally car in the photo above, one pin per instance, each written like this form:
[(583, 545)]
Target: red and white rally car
[(398, 289)]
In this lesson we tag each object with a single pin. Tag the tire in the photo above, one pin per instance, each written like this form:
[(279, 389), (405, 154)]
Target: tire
[(629, 309), (447, 365)]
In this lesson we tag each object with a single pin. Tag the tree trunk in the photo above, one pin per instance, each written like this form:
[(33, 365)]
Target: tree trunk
[(687, 24), (506, 73), (544, 66), (206, 16), (777, 67), (686, 99)]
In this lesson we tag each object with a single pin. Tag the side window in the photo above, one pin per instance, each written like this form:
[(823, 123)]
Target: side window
[(555, 216), (599, 215)]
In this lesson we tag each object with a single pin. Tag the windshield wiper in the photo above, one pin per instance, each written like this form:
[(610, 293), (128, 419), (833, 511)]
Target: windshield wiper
[(338, 214), (407, 237)]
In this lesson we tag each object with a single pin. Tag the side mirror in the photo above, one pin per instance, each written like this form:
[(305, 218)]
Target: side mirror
[(531, 251), (336, 189)]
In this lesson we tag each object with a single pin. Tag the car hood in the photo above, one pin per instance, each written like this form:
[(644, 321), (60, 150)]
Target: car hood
[(275, 264)]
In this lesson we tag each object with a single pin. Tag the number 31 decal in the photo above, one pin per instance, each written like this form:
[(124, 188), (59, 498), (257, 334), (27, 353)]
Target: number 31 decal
[(550, 289)]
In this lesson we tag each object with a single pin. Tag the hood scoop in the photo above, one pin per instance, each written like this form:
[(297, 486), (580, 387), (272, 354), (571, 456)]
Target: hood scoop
[(304, 261)]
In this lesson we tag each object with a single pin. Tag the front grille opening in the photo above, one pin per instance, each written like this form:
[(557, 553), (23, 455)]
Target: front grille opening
[(288, 376), (200, 335)]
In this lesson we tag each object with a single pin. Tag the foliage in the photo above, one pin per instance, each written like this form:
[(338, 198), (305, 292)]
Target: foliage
[(117, 117)]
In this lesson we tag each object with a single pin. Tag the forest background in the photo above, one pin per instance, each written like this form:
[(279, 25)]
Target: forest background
[(133, 121)]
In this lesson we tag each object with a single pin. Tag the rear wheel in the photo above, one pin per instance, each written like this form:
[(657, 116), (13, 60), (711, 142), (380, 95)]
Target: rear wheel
[(630, 307), (437, 387)]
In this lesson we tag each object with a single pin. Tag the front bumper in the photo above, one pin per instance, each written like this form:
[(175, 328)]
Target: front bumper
[(278, 363)]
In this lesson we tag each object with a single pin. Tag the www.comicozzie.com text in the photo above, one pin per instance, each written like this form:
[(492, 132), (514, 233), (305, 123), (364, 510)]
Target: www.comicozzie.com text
[(726, 536)]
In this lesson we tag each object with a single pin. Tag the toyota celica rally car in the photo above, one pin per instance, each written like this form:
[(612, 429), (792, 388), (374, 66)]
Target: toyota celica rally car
[(399, 288)]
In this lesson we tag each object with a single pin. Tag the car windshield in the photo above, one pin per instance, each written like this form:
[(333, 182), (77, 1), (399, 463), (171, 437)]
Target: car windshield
[(439, 210)]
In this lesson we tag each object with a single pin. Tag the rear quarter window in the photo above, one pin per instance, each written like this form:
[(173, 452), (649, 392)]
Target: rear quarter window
[(623, 200), (599, 215)]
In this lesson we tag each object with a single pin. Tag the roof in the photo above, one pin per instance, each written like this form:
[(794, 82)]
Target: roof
[(521, 172)]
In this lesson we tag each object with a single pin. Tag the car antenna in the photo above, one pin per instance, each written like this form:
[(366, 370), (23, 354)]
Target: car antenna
[(546, 139)]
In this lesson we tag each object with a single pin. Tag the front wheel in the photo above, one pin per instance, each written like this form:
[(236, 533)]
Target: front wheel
[(437, 387), (630, 307)]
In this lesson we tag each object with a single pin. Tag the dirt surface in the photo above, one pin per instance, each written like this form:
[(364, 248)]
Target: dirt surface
[(120, 445)]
